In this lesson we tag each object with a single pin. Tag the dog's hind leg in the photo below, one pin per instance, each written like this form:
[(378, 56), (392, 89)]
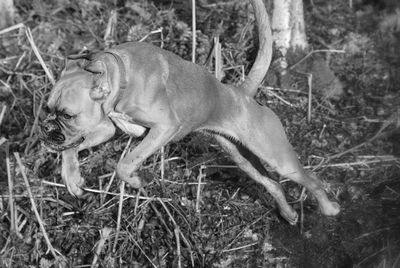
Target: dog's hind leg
[(268, 141), (250, 164)]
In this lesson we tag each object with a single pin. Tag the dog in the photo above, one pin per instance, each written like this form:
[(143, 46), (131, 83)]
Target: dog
[(150, 92)]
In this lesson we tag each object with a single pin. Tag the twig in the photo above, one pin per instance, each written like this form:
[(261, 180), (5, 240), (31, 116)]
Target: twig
[(309, 80), (41, 224), (247, 227), (35, 123), (104, 234), (11, 191), (199, 178), (120, 205), (238, 248), (218, 58), (158, 214), (315, 51), (140, 248), (121, 198), (152, 32), (370, 257), (12, 28), (3, 111), (175, 224), (178, 246), (107, 189), (302, 198), (136, 203), (162, 168), (394, 118), (104, 192), (37, 53), (193, 30), (270, 92), (355, 163)]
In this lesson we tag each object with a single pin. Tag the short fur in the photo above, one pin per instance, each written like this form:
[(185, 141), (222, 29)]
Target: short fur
[(145, 90)]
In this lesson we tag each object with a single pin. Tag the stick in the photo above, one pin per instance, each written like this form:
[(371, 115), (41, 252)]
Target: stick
[(37, 53), (115, 173), (121, 198), (10, 190), (309, 79), (316, 51), (104, 234), (103, 192), (152, 32), (35, 123), (120, 204), (194, 30), (393, 119), (3, 111), (12, 28), (162, 168), (178, 247), (28, 188), (175, 224), (199, 177)]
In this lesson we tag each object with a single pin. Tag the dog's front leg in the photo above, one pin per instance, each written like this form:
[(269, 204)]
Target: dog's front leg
[(70, 172), (157, 137)]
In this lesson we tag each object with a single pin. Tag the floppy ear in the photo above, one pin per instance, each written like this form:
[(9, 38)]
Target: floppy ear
[(76, 62), (101, 87)]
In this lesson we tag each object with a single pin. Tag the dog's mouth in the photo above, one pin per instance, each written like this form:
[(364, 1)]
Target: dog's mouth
[(52, 145)]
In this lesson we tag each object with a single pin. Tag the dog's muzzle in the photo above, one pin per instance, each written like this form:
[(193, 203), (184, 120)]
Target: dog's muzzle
[(52, 136), (51, 131)]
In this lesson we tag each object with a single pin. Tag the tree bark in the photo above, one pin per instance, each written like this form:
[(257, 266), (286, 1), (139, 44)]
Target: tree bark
[(290, 42), (7, 13)]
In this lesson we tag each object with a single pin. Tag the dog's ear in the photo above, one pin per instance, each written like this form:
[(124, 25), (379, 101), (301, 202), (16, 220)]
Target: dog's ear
[(101, 87), (76, 62)]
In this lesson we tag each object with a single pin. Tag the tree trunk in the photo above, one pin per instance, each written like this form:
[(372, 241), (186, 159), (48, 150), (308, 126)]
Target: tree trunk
[(288, 28), (7, 13)]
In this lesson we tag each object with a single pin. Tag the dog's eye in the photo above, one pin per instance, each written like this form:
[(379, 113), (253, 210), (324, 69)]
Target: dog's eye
[(66, 116)]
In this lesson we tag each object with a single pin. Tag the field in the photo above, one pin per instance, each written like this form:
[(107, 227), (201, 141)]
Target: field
[(201, 210)]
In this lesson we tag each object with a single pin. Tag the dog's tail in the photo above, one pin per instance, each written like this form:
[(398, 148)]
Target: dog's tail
[(264, 55)]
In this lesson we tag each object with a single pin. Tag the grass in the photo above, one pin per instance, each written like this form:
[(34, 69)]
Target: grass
[(200, 210)]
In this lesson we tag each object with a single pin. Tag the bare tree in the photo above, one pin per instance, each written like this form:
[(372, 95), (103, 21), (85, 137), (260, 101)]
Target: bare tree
[(288, 27), (7, 13)]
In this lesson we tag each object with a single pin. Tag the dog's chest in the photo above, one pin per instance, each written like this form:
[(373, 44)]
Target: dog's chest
[(123, 122)]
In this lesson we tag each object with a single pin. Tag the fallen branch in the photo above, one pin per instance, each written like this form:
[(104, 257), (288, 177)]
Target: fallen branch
[(34, 208), (394, 118)]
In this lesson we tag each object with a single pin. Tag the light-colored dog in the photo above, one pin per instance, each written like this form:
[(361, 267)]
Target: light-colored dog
[(147, 91)]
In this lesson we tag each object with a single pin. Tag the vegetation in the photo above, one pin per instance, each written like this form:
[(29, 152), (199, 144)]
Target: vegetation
[(201, 211)]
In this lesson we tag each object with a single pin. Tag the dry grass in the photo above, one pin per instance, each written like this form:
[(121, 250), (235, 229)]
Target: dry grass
[(200, 211)]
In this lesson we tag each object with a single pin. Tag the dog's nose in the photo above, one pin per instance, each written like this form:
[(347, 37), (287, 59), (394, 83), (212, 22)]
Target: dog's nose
[(48, 128), (51, 131)]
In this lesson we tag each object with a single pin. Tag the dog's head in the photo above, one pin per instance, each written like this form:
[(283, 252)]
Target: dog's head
[(76, 114)]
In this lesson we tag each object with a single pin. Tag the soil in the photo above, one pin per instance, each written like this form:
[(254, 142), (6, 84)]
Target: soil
[(201, 210)]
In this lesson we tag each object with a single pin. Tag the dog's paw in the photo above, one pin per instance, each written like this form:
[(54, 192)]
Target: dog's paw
[(138, 181), (74, 188), (330, 208), (135, 180), (290, 216)]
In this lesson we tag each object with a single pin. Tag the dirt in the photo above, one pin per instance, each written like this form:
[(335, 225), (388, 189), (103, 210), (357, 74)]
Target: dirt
[(227, 220)]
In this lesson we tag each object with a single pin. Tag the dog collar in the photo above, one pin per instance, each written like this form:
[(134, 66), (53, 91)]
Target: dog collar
[(122, 80)]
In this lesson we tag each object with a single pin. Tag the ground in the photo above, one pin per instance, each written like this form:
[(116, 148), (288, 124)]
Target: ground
[(200, 210)]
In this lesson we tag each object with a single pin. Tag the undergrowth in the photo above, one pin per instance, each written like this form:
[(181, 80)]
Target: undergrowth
[(200, 210)]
